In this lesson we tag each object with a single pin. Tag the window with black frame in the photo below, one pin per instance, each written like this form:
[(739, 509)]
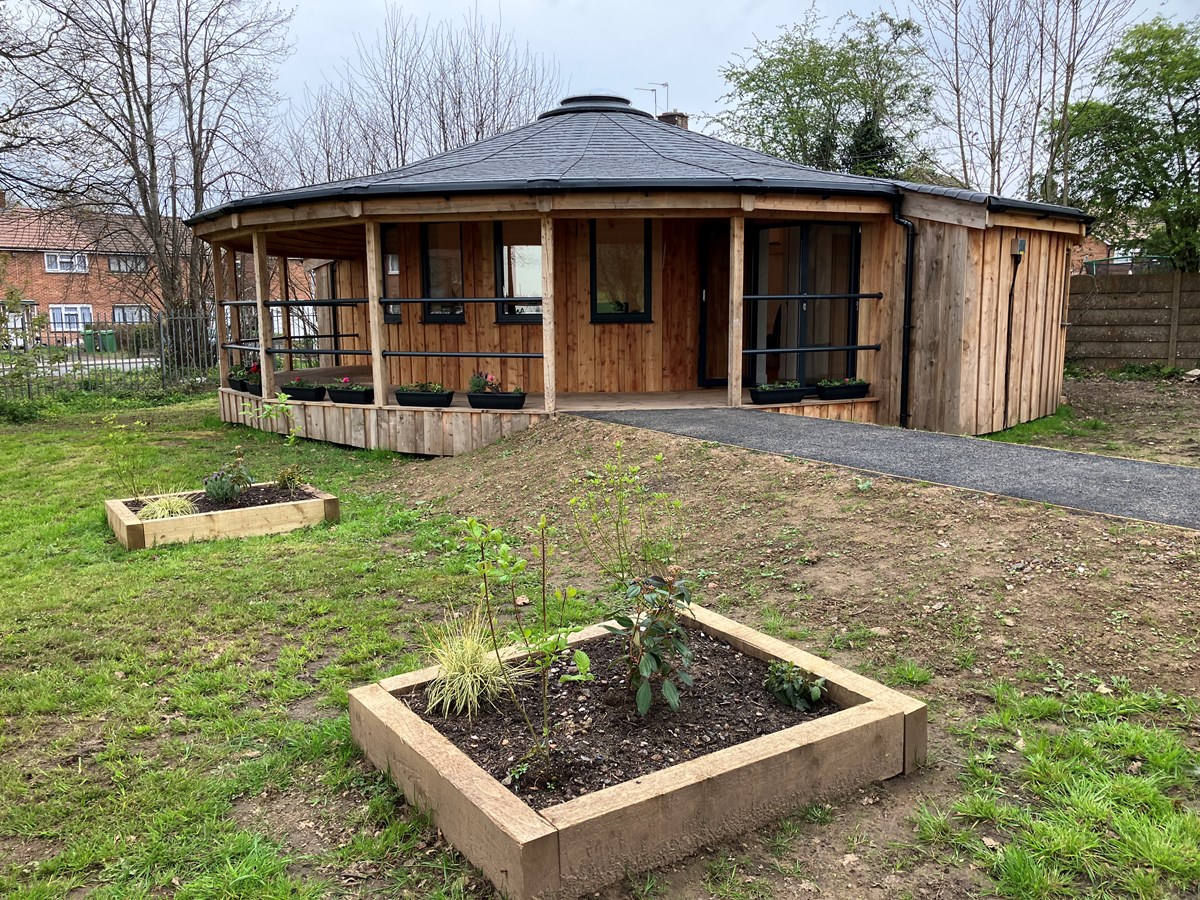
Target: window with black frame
[(519, 271), (389, 237), (442, 272), (620, 256), (803, 275)]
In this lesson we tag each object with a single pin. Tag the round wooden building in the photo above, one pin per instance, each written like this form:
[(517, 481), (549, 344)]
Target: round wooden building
[(600, 258)]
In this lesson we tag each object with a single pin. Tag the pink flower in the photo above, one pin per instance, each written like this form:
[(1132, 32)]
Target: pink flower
[(345, 381)]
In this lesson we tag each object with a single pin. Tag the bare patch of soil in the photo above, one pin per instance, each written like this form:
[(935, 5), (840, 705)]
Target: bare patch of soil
[(598, 739), (970, 588), (1153, 420)]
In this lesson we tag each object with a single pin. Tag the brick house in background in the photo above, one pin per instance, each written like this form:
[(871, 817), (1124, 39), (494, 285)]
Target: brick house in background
[(73, 272), (1091, 248)]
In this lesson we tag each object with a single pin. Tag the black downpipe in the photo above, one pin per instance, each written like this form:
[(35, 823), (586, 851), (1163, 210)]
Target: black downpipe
[(910, 245)]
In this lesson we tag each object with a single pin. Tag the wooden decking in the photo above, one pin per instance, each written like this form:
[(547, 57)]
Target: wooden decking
[(458, 428)]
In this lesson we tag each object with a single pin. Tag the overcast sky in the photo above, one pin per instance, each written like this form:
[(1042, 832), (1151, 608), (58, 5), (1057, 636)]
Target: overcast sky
[(619, 45)]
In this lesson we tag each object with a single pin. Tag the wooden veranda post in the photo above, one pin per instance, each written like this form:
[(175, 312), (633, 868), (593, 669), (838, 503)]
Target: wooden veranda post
[(548, 342), (286, 292), (262, 293), (375, 311), (229, 263), (737, 264), (221, 290)]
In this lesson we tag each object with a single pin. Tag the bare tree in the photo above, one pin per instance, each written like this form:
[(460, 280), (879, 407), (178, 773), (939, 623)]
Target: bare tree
[(168, 116), (1007, 72), (413, 90)]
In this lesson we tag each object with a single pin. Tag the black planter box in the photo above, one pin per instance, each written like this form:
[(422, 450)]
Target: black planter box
[(343, 395), (843, 391), (304, 393), (254, 387), (490, 400), (780, 395), (238, 384), (424, 398)]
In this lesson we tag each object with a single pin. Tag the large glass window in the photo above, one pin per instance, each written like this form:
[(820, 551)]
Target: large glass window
[(805, 269), (69, 316), (66, 262), (132, 263), (128, 314), (393, 313), (442, 270), (620, 270), (519, 271)]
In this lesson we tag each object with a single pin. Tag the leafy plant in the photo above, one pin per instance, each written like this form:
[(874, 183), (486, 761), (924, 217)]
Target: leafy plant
[(421, 387), (230, 481), (500, 569), (301, 383), (842, 382), (486, 383), (781, 386), (272, 411), (631, 532), (656, 644), (347, 385), (290, 478), (128, 454), (238, 371), (470, 671), (167, 507), (793, 686)]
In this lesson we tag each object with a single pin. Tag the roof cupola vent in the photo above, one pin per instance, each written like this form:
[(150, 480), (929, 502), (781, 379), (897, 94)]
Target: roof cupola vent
[(595, 101)]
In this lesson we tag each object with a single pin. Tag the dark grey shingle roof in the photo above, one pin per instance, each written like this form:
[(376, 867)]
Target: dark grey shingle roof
[(599, 142)]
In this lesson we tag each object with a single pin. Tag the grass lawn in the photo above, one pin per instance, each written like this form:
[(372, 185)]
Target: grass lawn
[(174, 719)]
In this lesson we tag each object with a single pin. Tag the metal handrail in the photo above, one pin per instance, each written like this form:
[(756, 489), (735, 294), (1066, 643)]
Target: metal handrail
[(486, 354), (760, 297), (812, 349)]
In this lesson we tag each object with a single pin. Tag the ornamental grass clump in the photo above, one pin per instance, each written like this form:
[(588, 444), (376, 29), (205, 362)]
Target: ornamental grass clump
[(167, 507), (470, 670)]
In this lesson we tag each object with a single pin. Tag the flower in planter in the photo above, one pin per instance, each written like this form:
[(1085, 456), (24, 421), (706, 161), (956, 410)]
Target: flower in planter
[(301, 383), (238, 371), (842, 382), (487, 383)]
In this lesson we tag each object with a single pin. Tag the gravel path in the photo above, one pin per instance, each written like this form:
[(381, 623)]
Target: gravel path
[(1121, 487)]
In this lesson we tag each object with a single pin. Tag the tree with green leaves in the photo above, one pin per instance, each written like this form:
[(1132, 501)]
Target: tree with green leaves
[(1137, 154), (855, 99)]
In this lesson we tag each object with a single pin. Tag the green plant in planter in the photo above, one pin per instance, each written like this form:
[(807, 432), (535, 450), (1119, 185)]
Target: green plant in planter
[(230, 481), (842, 382), (500, 569), (290, 478), (781, 386), (631, 532), (421, 387), (793, 686), (238, 371), (487, 383), (167, 507), (347, 385)]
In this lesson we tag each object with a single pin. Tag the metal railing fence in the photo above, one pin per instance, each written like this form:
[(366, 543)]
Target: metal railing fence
[(165, 352)]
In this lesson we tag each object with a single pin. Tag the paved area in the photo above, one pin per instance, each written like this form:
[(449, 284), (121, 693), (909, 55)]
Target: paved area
[(1104, 484)]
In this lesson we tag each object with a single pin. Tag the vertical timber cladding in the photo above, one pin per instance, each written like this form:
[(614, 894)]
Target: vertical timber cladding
[(661, 355), (968, 375), (881, 321)]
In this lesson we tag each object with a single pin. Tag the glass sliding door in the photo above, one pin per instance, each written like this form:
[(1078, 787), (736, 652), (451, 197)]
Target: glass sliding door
[(796, 269)]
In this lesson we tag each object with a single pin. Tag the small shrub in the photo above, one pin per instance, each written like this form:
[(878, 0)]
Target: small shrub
[(470, 671), (793, 686), (167, 508), (656, 644), (290, 478), (230, 481)]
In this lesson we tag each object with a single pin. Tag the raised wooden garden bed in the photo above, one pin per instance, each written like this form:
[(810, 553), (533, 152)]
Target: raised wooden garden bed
[(272, 518), (581, 845)]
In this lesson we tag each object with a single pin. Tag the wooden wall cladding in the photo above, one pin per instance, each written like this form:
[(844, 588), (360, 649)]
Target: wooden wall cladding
[(662, 355)]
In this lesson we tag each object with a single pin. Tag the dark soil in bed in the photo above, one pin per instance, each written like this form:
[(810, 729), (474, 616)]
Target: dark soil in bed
[(599, 740), (259, 495)]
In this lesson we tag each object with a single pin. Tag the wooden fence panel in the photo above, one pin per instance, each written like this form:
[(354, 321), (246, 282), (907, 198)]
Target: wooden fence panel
[(1121, 319)]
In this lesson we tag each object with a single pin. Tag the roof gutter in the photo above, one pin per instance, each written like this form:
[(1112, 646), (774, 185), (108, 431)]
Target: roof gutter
[(910, 243)]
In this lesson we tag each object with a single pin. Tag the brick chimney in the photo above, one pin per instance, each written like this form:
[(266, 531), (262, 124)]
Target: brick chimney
[(674, 117)]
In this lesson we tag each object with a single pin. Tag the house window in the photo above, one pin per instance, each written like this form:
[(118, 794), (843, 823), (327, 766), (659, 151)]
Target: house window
[(126, 265), (70, 317), (442, 271), (519, 271), (620, 250), (131, 315), (390, 237), (66, 262)]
